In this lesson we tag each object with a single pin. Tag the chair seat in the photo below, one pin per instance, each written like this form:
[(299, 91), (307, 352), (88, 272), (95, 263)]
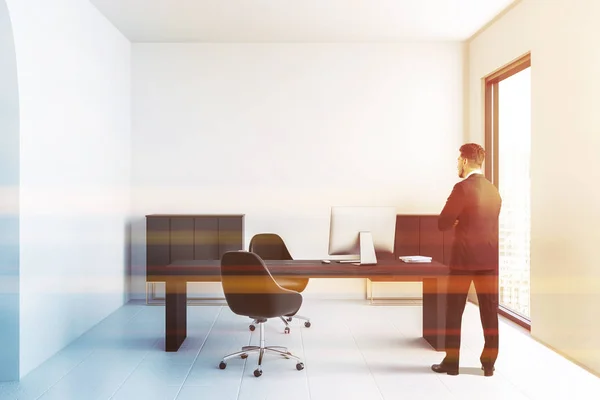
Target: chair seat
[(297, 285)]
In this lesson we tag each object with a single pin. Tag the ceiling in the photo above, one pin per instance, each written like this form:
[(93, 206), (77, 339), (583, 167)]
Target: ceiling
[(299, 20)]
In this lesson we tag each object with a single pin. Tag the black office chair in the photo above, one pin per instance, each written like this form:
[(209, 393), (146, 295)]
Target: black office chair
[(250, 290), (270, 246)]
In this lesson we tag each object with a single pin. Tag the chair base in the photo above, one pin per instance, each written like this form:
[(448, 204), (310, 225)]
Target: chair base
[(285, 321), (262, 350), (305, 319), (246, 350)]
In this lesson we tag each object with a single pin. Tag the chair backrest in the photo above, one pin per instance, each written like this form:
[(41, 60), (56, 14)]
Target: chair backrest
[(269, 246), (250, 289)]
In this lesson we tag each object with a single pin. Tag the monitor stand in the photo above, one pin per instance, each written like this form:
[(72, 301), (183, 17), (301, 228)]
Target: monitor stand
[(367, 251)]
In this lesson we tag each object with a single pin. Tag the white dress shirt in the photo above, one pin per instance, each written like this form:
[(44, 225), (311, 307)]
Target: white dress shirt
[(475, 171)]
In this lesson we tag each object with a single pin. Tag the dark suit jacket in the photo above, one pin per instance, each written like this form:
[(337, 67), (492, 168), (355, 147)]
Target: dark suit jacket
[(475, 203)]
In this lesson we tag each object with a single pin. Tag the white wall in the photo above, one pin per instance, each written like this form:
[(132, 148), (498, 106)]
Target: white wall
[(74, 82), (281, 132), (565, 168), (9, 202)]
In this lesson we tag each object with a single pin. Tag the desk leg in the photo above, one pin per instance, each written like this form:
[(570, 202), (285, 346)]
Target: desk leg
[(175, 314), (434, 311)]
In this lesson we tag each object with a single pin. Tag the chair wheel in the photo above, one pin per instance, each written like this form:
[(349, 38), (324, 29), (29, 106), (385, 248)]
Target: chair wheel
[(286, 330), (252, 328), (244, 356), (307, 324), (258, 372), (300, 366), (222, 365), (289, 318)]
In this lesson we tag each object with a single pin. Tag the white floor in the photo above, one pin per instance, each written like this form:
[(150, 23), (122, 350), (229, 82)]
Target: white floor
[(352, 351)]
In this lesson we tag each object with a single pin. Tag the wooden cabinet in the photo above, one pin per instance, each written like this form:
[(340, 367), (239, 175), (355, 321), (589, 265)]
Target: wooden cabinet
[(419, 235), (415, 235), (171, 237)]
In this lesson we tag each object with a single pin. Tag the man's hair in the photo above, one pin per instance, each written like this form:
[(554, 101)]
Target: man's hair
[(472, 152)]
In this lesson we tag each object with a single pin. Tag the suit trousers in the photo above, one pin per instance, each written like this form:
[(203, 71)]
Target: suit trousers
[(486, 286)]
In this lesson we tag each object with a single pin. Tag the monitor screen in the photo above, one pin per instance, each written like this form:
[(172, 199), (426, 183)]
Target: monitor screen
[(347, 222)]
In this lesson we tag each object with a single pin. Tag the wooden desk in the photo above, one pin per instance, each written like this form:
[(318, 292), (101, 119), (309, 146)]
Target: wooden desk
[(433, 275)]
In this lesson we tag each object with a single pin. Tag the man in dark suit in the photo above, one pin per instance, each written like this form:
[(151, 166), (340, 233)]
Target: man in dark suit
[(472, 210)]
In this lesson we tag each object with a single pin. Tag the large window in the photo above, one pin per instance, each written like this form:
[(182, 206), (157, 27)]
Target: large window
[(508, 144)]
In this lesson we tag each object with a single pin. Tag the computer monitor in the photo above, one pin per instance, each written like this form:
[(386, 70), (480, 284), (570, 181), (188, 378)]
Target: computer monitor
[(361, 232)]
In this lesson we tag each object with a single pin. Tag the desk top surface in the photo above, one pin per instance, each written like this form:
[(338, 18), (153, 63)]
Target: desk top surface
[(196, 269)]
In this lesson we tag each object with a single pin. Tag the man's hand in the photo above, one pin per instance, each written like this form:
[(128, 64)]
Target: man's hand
[(455, 223)]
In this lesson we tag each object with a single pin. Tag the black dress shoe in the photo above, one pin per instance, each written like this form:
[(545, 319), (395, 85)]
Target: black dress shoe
[(488, 371), (441, 368)]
